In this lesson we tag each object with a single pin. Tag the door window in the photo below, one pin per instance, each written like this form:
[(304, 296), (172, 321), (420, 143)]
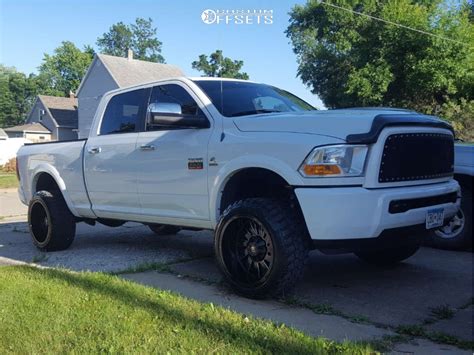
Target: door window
[(173, 94), (124, 112)]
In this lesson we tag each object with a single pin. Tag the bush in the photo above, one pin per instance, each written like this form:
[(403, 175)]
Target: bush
[(10, 166), (461, 115)]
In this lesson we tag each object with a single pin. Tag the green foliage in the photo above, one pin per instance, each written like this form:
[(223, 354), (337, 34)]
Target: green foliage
[(140, 37), (461, 115), (353, 60), (62, 72), (219, 66), (17, 94)]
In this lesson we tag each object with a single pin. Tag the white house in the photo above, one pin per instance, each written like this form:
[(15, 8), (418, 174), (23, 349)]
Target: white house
[(108, 73)]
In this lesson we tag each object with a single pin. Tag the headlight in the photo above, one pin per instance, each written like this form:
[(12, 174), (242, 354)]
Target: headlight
[(335, 160)]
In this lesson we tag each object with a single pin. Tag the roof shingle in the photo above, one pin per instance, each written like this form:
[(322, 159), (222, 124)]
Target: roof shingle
[(28, 127), (128, 72), (63, 109)]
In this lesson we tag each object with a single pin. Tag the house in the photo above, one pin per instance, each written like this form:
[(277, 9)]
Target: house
[(109, 73), (57, 114), (3, 135), (33, 132)]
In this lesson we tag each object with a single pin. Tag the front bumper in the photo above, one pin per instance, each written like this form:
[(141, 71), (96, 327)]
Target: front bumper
[(335, 213)]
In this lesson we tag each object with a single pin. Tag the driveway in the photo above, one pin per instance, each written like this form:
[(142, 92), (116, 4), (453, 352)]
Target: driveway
[(10, 205), (421, 306)]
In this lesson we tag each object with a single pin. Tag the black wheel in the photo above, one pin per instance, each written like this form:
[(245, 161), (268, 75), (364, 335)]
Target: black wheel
[(388, 257), (164, 229), (260, 247), (457, 233), (52, 225)]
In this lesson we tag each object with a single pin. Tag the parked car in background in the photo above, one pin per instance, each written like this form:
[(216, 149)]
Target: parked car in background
[(457, 233)]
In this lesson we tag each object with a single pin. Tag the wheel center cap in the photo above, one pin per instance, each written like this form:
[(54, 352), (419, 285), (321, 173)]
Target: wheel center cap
[(252, 248)]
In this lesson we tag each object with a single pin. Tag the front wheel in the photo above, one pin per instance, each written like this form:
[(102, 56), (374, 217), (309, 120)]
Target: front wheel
[(457, 233), (390, 256), (260, 247)]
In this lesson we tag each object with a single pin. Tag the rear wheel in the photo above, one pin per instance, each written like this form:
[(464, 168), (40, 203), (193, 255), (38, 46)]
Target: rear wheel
[(388, 257), (164, 229), (260, 247), (52, 225)]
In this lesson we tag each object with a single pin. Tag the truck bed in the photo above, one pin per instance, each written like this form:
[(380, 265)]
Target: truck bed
[(63, 160)]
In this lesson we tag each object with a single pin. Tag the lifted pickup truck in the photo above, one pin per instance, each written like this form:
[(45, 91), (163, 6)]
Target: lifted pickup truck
[(268, 173)]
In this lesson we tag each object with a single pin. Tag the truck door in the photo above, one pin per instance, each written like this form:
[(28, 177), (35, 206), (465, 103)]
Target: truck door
[(172, 173), (111, 157)]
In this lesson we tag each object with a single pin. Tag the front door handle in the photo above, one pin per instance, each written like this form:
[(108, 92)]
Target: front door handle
[(94, 150), (147, 147)]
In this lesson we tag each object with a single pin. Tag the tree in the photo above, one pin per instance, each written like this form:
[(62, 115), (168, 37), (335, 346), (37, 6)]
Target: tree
[(140, 37), (62, 72), (353, 60), (219, 66), (18, 92)]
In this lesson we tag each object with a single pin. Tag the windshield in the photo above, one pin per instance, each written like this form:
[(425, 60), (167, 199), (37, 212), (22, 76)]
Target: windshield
[(240, 98)]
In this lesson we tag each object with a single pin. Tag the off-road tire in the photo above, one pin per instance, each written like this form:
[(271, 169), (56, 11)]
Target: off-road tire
[(164, 229), (52, 226), (390, 256), (285, 229)]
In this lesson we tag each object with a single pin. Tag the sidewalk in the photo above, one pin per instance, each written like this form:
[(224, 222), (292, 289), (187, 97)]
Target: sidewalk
[(10, 204)]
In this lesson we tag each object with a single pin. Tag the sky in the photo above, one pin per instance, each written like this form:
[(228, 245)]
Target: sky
[(30, 28)]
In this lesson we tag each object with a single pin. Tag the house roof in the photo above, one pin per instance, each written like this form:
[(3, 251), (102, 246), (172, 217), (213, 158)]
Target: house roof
[(62, 109), (35, 127), (128, 72), (3, 134)]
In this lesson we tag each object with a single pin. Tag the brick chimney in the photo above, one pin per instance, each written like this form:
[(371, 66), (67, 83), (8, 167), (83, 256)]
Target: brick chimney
[(130, 54)]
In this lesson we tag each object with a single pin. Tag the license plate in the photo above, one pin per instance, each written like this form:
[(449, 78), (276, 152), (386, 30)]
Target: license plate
[(434, 218)]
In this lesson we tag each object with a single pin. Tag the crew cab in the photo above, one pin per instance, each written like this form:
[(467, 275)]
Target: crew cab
[(269, 174)]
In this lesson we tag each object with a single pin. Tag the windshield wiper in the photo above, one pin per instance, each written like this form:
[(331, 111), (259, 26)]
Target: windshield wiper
[(254, 112)]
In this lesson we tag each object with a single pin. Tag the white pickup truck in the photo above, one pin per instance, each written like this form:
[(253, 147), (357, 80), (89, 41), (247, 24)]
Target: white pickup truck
[(270, 175)]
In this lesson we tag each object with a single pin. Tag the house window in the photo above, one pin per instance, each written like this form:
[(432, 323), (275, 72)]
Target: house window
[(40, 115), (41, 137)]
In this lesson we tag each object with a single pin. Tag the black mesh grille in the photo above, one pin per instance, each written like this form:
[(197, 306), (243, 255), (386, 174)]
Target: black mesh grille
[(417, 156)]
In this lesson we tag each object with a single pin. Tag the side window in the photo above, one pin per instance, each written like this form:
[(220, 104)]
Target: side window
[(173, 94), (124, 112)]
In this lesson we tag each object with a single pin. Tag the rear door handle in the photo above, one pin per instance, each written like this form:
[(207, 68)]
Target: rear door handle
[(147, 147), (94, 150)]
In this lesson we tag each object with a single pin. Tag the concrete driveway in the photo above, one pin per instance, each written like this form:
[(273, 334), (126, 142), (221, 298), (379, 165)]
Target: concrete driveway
[(421, 306), (340, 297)]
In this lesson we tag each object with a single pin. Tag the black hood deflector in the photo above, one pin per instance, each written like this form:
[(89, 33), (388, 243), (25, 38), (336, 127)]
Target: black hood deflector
[(389, 120)]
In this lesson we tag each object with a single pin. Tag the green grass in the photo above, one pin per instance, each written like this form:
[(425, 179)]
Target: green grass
[(437, 337), (8, 180), (56, 311)]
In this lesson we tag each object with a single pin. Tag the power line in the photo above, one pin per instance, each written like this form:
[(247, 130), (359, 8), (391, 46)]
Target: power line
[(393, 23)]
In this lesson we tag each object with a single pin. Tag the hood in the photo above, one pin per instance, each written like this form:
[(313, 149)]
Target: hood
[(333, 123)]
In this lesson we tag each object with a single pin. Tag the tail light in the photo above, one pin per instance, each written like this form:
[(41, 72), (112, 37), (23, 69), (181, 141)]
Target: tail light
[(16, 168)]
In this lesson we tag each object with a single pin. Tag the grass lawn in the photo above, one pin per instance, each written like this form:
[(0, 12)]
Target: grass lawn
[(55, 311), (8, 180)]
